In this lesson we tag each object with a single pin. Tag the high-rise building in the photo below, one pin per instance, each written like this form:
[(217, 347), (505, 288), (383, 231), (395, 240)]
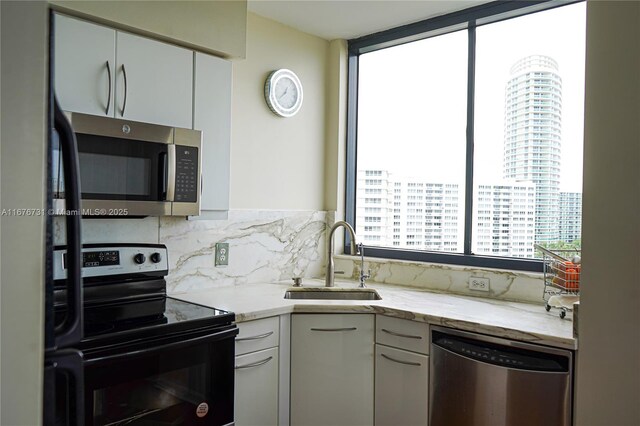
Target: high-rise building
[(532, 136), (408, 213), (417, 214), (504, 214), (570, 216)]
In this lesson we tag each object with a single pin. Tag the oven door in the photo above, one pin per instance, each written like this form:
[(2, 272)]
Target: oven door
[(179, 380)]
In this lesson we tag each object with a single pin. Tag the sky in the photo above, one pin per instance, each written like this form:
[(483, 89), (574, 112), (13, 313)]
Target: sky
[(412, 98)]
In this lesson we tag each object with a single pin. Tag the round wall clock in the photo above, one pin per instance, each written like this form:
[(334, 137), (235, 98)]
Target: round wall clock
[(283, 92)]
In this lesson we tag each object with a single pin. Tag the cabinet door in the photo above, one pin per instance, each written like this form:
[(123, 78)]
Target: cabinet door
[(332, 369), (154, 82), (402, 384), (84, 66), (256, 392), (212, 115)]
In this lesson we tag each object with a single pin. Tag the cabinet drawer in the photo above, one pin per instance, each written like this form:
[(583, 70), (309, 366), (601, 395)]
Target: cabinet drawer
[(257, 335), (256, 388), (403, 334), (402, 384)]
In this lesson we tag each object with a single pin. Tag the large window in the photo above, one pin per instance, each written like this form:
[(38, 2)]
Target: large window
[(465, 135)]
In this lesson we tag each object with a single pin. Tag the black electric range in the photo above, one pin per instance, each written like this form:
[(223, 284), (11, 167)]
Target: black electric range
[(148, 358)]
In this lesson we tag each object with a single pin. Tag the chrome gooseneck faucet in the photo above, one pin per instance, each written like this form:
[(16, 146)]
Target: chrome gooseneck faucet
[(329, 281)]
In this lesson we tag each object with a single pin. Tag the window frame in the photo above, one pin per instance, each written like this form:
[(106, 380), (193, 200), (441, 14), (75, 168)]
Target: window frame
[(468, 19)]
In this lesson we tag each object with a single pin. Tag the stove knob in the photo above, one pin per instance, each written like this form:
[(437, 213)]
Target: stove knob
[(139, 258), (156, 257)]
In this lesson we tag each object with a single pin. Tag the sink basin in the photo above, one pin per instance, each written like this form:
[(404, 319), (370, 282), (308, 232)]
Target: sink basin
[(331, 293)]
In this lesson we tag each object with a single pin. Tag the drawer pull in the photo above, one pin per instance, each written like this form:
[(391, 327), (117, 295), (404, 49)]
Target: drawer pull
[(258, 337), (417, 364), (254, 364), (335, 329), (408, 336)]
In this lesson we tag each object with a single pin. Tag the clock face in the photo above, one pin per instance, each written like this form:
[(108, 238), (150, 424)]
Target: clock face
[(283, 92), (286, 92)]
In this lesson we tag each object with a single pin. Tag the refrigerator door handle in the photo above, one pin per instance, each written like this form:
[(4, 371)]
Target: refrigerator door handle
[(70, 331), (70, 362)]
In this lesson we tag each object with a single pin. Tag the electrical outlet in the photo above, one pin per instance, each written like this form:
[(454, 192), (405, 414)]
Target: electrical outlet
[(480, 284), (222, 254)]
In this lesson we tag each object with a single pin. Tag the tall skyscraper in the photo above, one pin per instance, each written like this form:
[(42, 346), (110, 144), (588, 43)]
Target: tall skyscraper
[(532, 137)]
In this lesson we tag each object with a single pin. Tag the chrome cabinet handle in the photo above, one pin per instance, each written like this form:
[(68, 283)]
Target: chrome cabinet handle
[(335, 329), (254, 364), (106, 111), (416, 364), (408, 336), (124, 102), (259, 336)]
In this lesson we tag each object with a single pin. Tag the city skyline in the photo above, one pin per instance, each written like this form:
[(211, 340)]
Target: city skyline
[(422, 108)]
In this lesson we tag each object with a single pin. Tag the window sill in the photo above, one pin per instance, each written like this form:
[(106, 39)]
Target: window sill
[(511, 285)]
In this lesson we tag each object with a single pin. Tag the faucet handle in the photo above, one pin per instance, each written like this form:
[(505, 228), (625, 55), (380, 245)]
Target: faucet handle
[(364, 277), (297, 281)]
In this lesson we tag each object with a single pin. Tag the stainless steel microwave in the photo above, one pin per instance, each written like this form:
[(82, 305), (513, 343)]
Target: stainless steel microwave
[(129, 168)]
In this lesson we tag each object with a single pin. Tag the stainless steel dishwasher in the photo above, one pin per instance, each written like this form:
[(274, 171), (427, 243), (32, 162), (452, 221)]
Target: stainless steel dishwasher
[(478, 380)]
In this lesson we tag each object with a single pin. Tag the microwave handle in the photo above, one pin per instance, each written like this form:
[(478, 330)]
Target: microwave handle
[(162, 184), (69, 332), (171, 172)]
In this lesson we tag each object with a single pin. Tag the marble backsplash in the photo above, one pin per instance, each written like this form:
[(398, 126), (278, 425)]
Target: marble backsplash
[(264, 246), (268, 246), (515, 286)]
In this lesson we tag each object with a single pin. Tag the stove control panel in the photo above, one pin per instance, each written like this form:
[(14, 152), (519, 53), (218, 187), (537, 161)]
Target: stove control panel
[(117, 259)]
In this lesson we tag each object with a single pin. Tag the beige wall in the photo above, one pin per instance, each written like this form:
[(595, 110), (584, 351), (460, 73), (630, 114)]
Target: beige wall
[(22, 154), (278, 163), (608, 364), (217, 27)]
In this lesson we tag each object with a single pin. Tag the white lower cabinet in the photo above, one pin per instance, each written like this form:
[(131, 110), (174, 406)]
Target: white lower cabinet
[(256, 401), (258, 377), (402, 372), (332, 360), (402, 384)]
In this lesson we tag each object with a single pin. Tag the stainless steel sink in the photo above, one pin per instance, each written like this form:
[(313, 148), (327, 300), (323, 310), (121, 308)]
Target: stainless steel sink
[(332, 293)]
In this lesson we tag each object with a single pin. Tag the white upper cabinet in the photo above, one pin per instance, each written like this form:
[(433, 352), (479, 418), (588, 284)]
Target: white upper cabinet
[(101, 71), (85, 60), (212, 115), (154, 81)]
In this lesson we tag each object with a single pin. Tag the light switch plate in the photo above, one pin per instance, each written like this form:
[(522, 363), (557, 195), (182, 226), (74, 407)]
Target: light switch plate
[(222, 254)]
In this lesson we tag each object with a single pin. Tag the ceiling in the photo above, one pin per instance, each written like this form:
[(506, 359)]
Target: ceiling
[(347, 19)]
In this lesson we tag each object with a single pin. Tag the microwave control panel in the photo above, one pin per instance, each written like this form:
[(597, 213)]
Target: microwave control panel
[(186, 174)]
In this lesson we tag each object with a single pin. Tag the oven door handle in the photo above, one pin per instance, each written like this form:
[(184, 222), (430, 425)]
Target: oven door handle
[(70, 331), (226, 334)]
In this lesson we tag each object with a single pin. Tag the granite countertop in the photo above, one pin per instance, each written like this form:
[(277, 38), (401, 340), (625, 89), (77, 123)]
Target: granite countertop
[(519, 321)]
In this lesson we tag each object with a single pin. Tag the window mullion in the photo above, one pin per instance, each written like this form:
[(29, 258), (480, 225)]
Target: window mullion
[(471, 78)]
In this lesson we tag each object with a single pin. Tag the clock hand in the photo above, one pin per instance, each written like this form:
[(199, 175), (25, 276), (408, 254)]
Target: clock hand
[(285, 92)]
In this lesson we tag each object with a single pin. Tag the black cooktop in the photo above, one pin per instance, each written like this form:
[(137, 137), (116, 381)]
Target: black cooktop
[(111, 323)]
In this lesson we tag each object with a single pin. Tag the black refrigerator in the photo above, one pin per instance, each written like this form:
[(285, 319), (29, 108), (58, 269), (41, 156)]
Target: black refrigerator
[(63, 367)]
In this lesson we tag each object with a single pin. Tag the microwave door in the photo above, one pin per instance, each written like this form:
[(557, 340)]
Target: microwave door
[(123, 177)]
